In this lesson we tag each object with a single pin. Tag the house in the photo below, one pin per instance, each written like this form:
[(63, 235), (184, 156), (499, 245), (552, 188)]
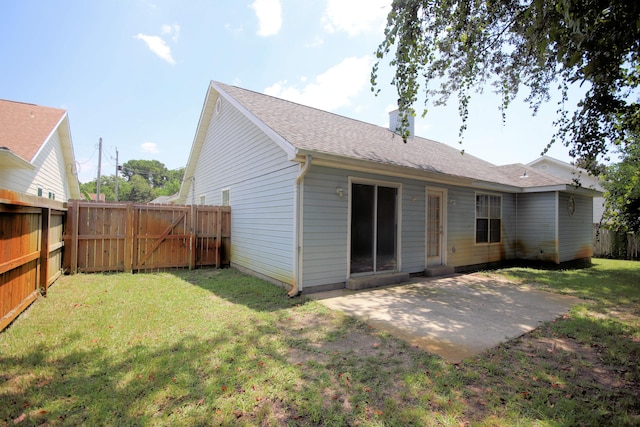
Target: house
[(320, 201), (36, 154), (578, 175)]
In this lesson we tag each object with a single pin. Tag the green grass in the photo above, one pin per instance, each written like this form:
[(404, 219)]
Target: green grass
[(215, 347)]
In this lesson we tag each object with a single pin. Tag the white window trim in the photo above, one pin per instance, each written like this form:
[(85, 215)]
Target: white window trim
[(228, 190), (475, 218), (356, 180)]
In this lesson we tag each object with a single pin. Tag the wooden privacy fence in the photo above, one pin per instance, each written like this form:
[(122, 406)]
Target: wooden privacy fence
[(612, 244), (139, 237), (30, 250)]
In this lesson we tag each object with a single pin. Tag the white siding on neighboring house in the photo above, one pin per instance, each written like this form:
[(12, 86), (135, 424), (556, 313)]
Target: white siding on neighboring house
[(536, 232), (572, 174), (239, 157), (51, 170), (575, 229), (49, 173)]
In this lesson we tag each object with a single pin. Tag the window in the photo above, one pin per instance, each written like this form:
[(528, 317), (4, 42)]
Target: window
[(225, 197), (39, 191), (488, 218), (52, 195), (203, 199)]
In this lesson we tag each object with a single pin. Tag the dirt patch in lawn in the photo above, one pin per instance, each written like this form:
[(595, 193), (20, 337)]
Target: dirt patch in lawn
[(549, 365), (543, 367)]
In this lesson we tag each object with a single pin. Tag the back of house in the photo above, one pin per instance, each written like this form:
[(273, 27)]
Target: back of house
[(321, 201)]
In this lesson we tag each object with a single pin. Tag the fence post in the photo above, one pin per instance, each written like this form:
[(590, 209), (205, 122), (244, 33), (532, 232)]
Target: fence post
[(129, 239), (218, 236), (193, 244), (44, 250), (73, 210)]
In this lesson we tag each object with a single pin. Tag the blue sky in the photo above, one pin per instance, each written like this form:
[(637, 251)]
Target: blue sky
[(135, 72)]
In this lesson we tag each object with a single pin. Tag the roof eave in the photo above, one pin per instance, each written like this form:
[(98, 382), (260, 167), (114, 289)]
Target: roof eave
[(198, 140), (10, 160), (69, 157), (360, 165), (582, 191)]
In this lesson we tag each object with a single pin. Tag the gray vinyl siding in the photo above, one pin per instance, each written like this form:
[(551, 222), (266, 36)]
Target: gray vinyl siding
[(324, 238), (326, 225), (462, 249), (238, 156), (575, 231), (49, 173), (325, 230), (537, 227), (413, 226)]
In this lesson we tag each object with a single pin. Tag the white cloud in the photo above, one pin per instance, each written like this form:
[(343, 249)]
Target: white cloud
[(317, 42), (172, 30), (269, 13), (149, 147), (355, 16), (330, 90), (158, 46)]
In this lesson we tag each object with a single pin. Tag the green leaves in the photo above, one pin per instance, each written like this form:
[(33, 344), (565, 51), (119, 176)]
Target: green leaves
[(451, 46)]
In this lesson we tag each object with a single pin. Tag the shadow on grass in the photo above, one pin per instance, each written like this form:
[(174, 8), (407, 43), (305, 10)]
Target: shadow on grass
[(606, 281), (232, 378), (240, 288), (555, 376)]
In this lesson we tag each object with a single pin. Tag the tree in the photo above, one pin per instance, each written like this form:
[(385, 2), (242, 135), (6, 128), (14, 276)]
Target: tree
[(136, 185), (622, 182), (465, 45), (141, 191), (152, 170)]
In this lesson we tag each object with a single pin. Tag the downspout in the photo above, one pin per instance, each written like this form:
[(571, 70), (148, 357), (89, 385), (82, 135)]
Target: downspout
[(297, 224)]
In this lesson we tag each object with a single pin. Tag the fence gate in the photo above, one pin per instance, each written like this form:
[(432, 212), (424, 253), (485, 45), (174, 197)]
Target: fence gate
[(141, 237)]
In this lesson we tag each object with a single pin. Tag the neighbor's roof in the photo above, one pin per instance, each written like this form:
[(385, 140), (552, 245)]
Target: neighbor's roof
[(312, 130), (25, 127)]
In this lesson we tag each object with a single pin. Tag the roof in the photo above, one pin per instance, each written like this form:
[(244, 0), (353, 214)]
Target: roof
[(578, 174), (25, 127), (302, 130)]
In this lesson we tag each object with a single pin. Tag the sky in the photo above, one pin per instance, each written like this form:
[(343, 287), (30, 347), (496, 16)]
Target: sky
[(135, 73)]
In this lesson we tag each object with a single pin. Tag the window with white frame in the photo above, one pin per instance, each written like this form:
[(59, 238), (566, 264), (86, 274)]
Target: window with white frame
[(488, 218), (225, 197), (203, 199)]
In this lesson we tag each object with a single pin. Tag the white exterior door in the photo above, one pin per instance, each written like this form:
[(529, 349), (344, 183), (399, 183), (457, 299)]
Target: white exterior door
[(436, 223)]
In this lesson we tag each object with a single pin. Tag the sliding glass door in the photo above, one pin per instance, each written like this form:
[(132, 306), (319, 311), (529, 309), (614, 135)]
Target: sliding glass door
[(374, 228)]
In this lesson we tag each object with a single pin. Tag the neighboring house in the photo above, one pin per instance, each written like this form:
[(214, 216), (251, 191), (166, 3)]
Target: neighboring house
[(320, 201), (36, 154), (574, 174), (165, 200)]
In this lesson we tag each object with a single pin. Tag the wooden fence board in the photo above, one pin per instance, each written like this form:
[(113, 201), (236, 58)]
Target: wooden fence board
[(140, 237), (30, 250), (611, 244)]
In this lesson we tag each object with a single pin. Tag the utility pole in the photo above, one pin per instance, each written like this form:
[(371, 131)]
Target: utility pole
[(117, 169), (99, 168)]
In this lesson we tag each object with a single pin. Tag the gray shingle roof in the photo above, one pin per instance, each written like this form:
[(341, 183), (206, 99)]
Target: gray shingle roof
[(311, 129)]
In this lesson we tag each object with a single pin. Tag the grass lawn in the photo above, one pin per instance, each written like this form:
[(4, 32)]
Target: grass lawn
[(215, 347)]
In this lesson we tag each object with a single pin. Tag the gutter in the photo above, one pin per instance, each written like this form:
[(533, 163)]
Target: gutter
[(297, 224)]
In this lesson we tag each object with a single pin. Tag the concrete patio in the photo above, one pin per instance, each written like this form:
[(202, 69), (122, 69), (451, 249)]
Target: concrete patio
[(455, 317)]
